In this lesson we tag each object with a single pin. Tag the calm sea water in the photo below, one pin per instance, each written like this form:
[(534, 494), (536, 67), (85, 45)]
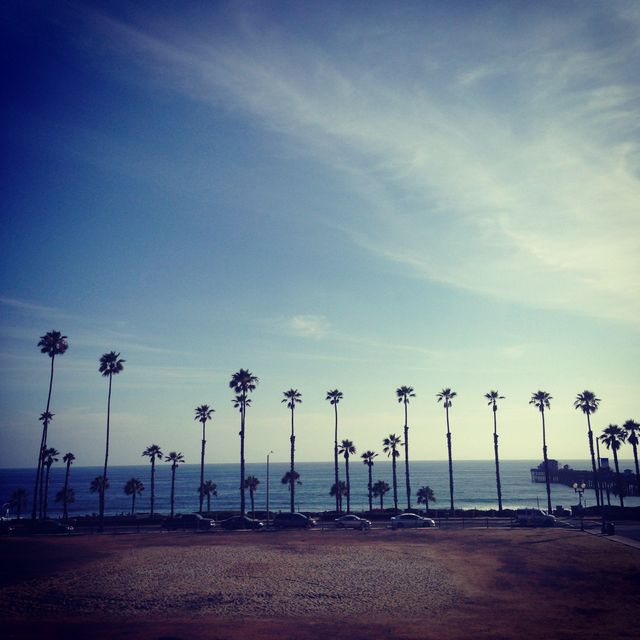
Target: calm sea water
[(474, 481)]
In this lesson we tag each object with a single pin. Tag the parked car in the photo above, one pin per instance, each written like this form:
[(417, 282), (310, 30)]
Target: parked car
[(241, 522), (44, 526), (352, 522), (188, 521), (293, 521), (534, 518), (407, 520)]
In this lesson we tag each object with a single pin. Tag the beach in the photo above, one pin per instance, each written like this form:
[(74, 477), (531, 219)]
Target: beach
[(312, 584)]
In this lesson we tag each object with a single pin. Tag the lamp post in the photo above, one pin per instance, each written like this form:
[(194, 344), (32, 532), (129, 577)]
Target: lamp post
[(268, 454), (579, 489)]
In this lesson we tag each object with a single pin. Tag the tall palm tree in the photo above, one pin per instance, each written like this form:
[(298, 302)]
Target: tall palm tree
[(99, 486), (446, 395), (251, 483), (334, 396), (46, 419), (614, 437), (110, 365), (390, 447), (203, 413), (403, 394), (133, 488), (347, 449), (367, 458), (425, 495), (633, 429), (209, 489), (66, 496), (53, 344), (18, 499), (291, 398), (493, 397), (49, 459), (338, 489), (67, 458), (154, 453), (542, 400), (243, 382), (588, 404), (379, 489), (175, 458)]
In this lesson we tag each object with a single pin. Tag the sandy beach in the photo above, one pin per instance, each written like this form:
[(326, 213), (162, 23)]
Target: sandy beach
[(380, 584)]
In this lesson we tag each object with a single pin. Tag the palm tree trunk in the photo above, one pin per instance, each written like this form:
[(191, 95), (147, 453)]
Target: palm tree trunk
[(46, 491), (593, 461), (242, 417), (426, 505), (133, 503), (335, 459), (291, 475), (635, 459), (42, 476), (202, 467), (153, 474), (208, 503), (599, 470), (546, 463), (106, 455), (381, 502), (618, 482), (65, 514), (370, 487), (495, 449), (450, 459), (173, 486), (406, 455), (395, 481), (253, 511), (346, 460)]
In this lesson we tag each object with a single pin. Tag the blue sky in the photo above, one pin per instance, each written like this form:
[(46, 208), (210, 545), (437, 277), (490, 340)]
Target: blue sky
[(351, 195)]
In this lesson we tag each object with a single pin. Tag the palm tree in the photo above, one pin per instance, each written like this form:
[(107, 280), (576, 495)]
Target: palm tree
[(390, 447), (380, 488), (291, 398), (367, 458), (425, 495), (110, 365), (175, 458), (251, 483), (542, 400), (347, 449), (403, 394), (203, 413), (338, 489), (633, 429), (133, 488), (49, 458), (18, 499), (447, 396), (99, 486), (242, 382), (334, 396), (53, 344), (154, 453), (209, 489), (614, 437), (289, 479), (588, 403), (493, 397), (46, 419), (67, 458), (67, 496)]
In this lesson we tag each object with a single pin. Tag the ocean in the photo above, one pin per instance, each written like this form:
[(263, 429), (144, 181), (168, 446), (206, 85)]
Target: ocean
[(474, 486)]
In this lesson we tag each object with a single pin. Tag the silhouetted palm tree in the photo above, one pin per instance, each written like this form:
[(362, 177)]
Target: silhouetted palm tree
[(334, 396), (347, 449), (338, 490), (49, 459), (67, 458), (175, 458), (633, 429), (493, 397), (133, 488), (380, 488), (542, 400), (291, 398), (110, 365), (99, 486), (288, 479), (243, 382), (403, 394), (446, 395), (588, 404), (53, 344), (425, 495), (390, 447), (18, 499), (367, 458), (209, 489), (251, 483), (67, 496), (45, 418), (203, 413), (154, 453), (614, 437)]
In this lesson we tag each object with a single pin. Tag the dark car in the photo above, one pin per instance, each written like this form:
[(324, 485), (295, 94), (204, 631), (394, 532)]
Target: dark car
[(241, 522), (293, 521), (188, 521), (44, 526)]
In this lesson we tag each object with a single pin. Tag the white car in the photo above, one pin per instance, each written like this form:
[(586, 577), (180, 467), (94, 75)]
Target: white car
[(352, 522), (407, 520)]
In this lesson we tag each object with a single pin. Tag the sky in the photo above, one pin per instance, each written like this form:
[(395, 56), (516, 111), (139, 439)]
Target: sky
[(354, 195)]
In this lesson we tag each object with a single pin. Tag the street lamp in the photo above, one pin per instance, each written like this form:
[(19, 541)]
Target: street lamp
[(579, 489), (268, 454)]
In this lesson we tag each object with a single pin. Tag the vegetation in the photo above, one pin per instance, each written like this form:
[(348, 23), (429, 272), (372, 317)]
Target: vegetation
[(493, 397), (67, 496), (175, 458), (99, 485), (390, 447), (588, 404), (18, 500), (403, 394), (425, 495), (334, 396), (446, 396), (367, 458), (154, 453), (614, 437), (380, 489), (347, 449), (339, 490), (49, 458), (209, 489), (203, 413), (633, 429), (291, 398), (251, 483), (68, 459), (542, 400), (133, 488)]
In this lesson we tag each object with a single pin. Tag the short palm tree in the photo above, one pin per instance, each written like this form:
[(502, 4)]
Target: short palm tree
[(53, 344), (380, 488), (209, 489), (291, 398), (446, 396), (542, 400), (614, 437), (338, 490), (243, 382), (493, 397), (367, 458), (251, 483), (66, 496), (425, 495), (403, 394), (288, 479), (68, 459), (175, 458), (633, 429), (203, 413), (18, 499), (110, 365), (347, 449), (390, 447), (49, 459), (99, 486), (46, 419), (133, 488), (154, 453), (334, 396), (588, 404)]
